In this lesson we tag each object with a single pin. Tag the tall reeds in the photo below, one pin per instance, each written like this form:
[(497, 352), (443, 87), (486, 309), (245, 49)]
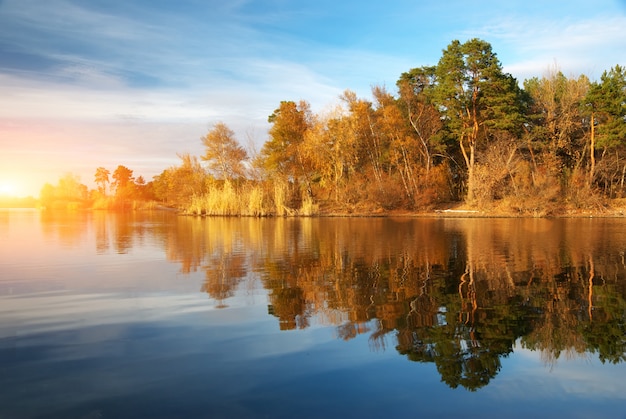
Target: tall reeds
[(228, 199), (308, 208), (247, 199)]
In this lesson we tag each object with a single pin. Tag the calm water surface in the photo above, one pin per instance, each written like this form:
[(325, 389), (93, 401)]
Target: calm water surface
[(153, 315)]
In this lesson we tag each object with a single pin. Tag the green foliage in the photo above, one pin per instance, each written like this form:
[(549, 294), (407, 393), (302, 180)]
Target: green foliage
[(477, 100), (607, 99)]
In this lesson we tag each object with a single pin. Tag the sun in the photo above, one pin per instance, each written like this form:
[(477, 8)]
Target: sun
[(8, 188)]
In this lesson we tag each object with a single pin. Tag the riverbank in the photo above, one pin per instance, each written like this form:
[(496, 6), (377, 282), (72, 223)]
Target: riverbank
[(614, 209)]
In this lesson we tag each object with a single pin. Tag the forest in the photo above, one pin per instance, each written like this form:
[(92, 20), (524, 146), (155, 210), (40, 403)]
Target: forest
[(461, 133)]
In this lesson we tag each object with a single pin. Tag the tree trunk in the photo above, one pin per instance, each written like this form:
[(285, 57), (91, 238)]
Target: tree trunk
[(622, 181), (592, 150), (471, 181), (590, 293)]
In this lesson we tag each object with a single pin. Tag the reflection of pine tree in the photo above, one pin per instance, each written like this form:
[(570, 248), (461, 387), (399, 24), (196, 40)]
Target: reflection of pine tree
[(605, 334), (559, 303), (467, 353)]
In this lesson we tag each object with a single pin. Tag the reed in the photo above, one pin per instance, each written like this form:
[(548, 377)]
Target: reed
[(256, 206), (248, 199), (308, 208), (230, 199), (280, 198)]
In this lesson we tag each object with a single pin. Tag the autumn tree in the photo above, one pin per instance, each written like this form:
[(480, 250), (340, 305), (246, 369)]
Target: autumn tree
[(124, 184), (143, 189), (69, 188), (555, 119), (178, 184), (283, 155), (224, 156), (555, 135), (401, 149), (370, 151), (416, 99), (329, 146)]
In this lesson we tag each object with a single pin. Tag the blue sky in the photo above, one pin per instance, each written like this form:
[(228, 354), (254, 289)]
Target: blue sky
[(89, 83)]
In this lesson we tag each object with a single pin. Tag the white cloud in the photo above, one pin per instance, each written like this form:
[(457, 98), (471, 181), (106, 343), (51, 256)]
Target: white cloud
[(584, 46)]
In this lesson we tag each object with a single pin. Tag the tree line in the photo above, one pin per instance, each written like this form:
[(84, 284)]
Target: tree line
[(462, 130)]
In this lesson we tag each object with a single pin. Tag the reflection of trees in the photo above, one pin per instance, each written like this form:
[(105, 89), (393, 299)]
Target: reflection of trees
[(606, 333), (458, 293), (120, 232), (223, 274), (215, 246), (464, 331)]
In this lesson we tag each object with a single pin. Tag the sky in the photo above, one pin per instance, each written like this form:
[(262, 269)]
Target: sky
[(101, 83)]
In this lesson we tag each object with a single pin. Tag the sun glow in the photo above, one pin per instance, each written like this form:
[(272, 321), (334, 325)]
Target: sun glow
[(8, 188)]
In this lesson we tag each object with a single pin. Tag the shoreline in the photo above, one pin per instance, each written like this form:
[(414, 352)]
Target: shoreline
[(614, 209), (451, 210)]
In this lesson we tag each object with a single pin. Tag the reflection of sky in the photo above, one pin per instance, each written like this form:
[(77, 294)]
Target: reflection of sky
[(138, 355), (578, 375)]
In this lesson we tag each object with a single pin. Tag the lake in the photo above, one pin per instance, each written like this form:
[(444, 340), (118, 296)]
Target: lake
[(155, 315)]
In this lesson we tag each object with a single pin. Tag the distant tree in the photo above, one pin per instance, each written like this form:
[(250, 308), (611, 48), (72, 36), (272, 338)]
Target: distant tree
[(225, 156), (46, 195), (70, 188), (143, 189), (102, 179), (123, 181), (68, 194)]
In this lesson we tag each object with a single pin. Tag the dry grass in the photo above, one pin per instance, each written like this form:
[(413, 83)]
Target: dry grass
[(231, 199), (308, 207), (280, 198)]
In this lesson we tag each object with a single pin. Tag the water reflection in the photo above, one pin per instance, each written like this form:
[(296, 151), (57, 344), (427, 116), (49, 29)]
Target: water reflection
[(459, 293)]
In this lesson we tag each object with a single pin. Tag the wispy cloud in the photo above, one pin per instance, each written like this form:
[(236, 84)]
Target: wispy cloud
[(583, 46)]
